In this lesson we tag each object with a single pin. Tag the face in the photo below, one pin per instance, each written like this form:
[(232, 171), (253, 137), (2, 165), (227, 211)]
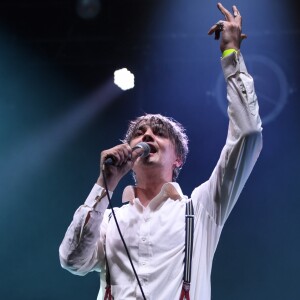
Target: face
[(162, 150)]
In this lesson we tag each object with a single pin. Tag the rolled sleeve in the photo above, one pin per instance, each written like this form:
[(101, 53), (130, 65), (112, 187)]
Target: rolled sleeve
[(81, 250), (97, 198)]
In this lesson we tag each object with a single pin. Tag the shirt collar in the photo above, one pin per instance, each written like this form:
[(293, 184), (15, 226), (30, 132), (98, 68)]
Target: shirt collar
[(170, 190)]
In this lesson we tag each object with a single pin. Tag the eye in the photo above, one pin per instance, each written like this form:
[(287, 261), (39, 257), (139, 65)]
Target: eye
[(160, 131), (138, 132)]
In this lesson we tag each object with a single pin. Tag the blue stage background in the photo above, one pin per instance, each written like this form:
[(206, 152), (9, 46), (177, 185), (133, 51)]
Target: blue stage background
[(58, 110)]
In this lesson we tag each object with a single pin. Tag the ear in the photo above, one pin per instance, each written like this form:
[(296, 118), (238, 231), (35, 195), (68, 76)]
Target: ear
[(177, 163)]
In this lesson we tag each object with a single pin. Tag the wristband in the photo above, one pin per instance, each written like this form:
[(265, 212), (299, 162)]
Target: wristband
[(228, 52)]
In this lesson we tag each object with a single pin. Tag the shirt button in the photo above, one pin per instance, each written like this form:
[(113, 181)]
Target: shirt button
[(143, 239)]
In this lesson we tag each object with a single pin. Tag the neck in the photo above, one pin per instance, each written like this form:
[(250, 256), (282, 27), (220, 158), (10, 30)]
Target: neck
[(149, 186)]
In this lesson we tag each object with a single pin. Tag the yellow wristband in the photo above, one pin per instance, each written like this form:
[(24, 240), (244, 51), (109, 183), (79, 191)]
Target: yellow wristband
[(228, 52)]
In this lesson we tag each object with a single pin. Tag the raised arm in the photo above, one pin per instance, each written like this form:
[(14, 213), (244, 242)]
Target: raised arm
[(244, 139)]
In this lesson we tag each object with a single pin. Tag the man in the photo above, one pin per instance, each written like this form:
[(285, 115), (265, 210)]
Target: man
[(153, 222)]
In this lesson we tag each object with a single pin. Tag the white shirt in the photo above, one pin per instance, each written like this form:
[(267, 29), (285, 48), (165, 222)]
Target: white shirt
[(155, 234)]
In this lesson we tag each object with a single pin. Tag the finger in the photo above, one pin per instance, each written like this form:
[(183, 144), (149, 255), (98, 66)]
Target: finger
[(122, 157), (116, 154), (124, 154), (116, 158), (243, 36), (237, 15), (236, 12), (216, 27), (215, 30), (212, 29), (228, 16)]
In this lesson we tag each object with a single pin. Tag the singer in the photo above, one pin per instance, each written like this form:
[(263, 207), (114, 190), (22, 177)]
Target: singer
[(156, 217)]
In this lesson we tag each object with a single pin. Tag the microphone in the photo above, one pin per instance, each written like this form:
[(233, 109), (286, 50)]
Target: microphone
[(145, 151)]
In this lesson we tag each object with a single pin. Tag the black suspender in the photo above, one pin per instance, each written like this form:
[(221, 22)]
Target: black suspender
[(189, 239)]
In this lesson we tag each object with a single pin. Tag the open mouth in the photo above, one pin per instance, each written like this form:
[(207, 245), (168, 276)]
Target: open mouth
[(152, 148)]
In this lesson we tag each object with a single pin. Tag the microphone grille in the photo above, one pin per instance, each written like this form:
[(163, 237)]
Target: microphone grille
[(145, 147)]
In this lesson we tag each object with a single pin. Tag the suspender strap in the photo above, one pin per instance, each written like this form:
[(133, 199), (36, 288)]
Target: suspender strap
[(189, 238), (107, 295)]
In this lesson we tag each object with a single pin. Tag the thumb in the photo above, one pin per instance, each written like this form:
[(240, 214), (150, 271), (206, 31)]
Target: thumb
[(243, 36)]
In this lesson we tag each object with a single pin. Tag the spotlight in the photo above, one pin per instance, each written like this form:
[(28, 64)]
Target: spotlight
[(124, 79), (88, 9)]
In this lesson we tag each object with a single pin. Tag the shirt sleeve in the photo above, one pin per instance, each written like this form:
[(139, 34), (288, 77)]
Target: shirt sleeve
[(82, 249), (243, 144)]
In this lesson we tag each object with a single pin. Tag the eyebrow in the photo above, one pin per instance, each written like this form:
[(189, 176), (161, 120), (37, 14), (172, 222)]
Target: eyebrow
[(140, 127), (154, 126)]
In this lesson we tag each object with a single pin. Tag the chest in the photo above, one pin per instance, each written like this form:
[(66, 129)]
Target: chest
[(149, 231)]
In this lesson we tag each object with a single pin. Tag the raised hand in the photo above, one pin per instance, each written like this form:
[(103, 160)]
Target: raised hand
[(231, 29)]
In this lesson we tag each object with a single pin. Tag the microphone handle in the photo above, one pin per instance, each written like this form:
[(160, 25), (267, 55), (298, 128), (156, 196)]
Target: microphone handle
[(109, 161)]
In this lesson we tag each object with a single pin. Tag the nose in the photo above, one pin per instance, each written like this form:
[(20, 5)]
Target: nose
[(148, 136)]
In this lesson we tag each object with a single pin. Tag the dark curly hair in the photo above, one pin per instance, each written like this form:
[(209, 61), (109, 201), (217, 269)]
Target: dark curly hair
[(176, 133)]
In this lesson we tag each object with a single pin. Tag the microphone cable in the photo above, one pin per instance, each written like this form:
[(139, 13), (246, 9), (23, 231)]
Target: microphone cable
[(120, 233)]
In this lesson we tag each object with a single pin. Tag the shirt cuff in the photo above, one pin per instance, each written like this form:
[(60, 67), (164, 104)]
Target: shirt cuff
[(233, 64), (97, 199)]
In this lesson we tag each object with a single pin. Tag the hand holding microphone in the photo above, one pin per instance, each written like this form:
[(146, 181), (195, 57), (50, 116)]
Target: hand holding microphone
[(118, 161), (142, 149)]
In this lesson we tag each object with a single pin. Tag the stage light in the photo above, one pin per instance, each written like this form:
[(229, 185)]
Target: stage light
[(88, 9), (124, 79)]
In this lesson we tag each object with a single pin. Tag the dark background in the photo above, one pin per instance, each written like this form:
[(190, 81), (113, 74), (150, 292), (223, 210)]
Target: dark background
[(59, 109)]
